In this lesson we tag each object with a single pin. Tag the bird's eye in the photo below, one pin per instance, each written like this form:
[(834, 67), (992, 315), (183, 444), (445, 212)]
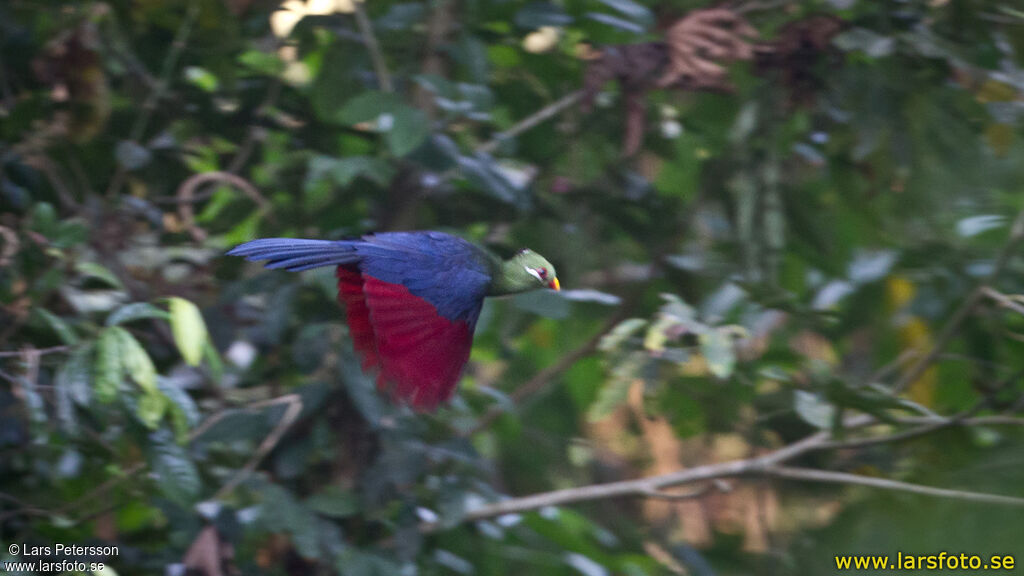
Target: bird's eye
[(543, 272)]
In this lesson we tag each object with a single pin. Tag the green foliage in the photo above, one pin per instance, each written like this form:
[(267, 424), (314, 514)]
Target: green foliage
[(770, 262)]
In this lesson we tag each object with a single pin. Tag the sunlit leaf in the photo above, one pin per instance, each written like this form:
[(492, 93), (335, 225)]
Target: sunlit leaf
[(625, 374), (623, 331), (109, 370), (813, 410), (202, 78), (188, 328), (135, 360), (717, 348)]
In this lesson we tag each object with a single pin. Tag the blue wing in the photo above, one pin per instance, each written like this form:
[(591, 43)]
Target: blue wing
[(448, 272)]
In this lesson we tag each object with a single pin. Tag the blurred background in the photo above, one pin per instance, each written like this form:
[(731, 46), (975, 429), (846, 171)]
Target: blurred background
[(768, 217)]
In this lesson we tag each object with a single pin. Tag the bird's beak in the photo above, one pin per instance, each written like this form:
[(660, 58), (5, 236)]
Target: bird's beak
[(554, 285)]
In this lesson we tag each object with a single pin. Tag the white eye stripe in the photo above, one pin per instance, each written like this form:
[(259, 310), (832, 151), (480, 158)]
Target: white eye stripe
[(533, 273)]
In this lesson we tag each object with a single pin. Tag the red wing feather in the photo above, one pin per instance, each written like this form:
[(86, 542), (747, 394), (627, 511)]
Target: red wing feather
[(418, 353), (350, 293)]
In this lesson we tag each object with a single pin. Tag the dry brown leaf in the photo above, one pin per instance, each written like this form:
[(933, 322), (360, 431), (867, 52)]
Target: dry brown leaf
[(209, 555), (698, 45)]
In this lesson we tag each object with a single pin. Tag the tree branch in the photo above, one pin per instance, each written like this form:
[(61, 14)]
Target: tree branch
[(827, 476), (370, 40), (643, 486)]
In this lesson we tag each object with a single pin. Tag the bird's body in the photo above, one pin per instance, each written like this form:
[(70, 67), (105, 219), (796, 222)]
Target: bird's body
[(412, 300)]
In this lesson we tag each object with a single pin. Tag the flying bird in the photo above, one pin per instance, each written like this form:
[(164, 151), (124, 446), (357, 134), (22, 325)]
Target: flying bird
[(412, 300)]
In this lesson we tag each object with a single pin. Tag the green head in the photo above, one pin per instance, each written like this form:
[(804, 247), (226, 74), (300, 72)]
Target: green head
[(525, 271)]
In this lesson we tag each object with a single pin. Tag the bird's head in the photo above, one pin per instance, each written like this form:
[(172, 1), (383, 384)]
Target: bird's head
[(527, 270)]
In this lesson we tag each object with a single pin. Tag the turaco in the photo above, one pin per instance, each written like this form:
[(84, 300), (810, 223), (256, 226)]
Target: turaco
[(412, 300)]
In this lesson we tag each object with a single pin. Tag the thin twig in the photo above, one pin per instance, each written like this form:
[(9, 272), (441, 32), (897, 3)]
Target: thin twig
[(1004, 300), (545, 376), (370, 40), (966, 308), (530, 121), (291, 413), (40, 351), (717, 485), (186, 197), (812, 475), (997, 420)]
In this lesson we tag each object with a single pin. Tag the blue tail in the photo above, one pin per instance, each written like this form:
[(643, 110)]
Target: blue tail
[(296, 254)]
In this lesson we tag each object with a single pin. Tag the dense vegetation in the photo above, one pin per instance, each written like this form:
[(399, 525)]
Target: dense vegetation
[(788, 234)]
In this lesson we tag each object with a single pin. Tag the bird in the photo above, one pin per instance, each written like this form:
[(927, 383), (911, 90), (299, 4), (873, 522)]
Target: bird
[(412, 300)]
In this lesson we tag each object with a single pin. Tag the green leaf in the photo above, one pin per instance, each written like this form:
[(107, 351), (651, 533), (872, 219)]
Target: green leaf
[(401, 16), (175, 474), (132, 155), (716, 346), (471, 53), (44, 219), (135, 311), (635, 12), (184, 412), (369, 106), (57, 324), (244, 230), (334, 502), (151, 408), (344, 171), (188, 329), (202, 78), (622, 332), (546, 303), (213, 360), (262, 62), (99, 272), (616, 390), (108, 371), (74, 377), (409, 130), (616, 22), (537, 14), (70, 233), (813, 409), (136, 361)]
